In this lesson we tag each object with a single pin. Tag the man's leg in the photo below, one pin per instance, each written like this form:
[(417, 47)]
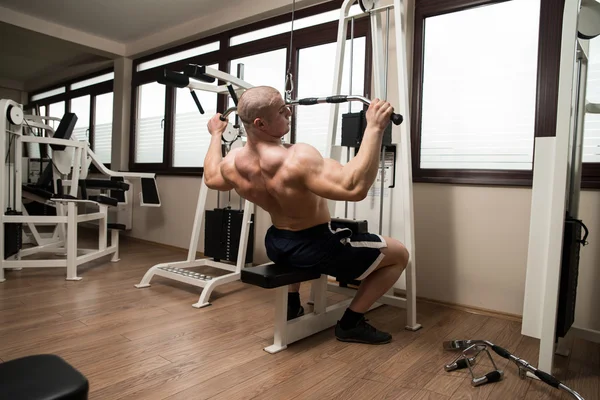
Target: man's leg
[(382, 278), (295, 308), (352, 326)]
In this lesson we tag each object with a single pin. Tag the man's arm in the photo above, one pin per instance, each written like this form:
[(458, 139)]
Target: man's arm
[(213, 162), (351, 182)]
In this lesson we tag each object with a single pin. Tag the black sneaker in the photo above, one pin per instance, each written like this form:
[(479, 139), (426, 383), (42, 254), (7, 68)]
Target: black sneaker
[(362, 333), (293, 312)]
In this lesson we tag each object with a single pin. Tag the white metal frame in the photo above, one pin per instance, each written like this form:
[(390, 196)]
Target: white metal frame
[(179, 270), (557, 164), (63, 240), (322, 317)]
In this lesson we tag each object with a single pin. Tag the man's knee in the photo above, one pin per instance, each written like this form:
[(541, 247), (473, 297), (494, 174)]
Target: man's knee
[(396, 253)]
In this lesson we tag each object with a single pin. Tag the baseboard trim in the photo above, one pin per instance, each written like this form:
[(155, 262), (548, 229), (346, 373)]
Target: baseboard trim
[(474, 310), (586, 334), (460, 307)]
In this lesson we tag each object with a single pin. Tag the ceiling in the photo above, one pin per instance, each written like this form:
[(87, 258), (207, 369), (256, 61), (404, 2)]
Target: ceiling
[(118, 20), (28, 55), (43, 42)]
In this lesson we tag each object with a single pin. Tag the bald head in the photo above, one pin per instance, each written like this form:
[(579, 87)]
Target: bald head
[(258, 102)]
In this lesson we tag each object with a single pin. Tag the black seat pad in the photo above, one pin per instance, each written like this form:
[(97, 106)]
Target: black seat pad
[(274, 275), (110, 201), (42, 377)]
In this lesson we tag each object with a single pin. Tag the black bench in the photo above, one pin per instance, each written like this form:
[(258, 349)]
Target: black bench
[(270, 276), (42, 377)]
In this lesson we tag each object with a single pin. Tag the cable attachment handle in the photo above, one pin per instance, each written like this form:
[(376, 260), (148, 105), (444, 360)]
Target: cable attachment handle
[(289, 87)]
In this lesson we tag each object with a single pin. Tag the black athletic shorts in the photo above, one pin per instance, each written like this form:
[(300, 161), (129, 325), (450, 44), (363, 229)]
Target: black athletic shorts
[(330, 248)]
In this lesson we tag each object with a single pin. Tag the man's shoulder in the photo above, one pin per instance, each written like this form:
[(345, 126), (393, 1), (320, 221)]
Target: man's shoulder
[(304, 150)]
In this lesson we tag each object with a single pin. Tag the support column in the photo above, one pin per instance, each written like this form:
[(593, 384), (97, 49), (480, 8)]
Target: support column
[(121, 114)]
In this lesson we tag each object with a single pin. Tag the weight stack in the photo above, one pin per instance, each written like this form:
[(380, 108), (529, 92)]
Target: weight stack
[(13, 236), (222, 234), (568, 276), (353, 129)]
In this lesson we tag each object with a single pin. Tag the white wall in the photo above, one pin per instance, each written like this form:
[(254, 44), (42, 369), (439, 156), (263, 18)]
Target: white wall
[(172, 223), (13, 94)]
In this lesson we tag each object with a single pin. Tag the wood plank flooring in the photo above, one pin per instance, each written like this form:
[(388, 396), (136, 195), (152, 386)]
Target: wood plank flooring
[(152, 344)]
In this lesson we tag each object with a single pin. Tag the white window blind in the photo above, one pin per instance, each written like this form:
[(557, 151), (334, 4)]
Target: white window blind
[(49, 93), (479, 87), (103, 127), (149, 140), (300, 23), (93, 81), (56, 110), (81, 107), (191, 138), (315, 79), (591, 138), (196, 51), (264, 69)]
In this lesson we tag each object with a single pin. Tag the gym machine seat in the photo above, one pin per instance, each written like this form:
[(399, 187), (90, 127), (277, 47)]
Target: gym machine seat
[(42, 377), (270, 276)]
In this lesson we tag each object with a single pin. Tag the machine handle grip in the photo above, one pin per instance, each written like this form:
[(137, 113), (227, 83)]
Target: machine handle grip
[(494, 376), (397, 119), (336, 99), (308, 101), (501, 352), (546, 377), (232, 94), (197, 101)]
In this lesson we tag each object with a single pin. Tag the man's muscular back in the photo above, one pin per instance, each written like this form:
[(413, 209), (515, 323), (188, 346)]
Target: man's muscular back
[(272, 177)]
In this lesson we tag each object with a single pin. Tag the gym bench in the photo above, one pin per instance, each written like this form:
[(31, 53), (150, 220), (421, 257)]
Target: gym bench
[(42, 377), (278, 277)]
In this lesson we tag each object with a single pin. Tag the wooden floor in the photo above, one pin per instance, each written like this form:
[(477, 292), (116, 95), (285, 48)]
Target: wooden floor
[(152, 344)]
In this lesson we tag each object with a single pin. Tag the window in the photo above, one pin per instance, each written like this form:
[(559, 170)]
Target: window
[(103, 127), (90, 98), (168, 133), (81, 107), (190, 137), (56, 110), (265, 69), (150, 123), (315, 79), (479, 91), (591, 138)]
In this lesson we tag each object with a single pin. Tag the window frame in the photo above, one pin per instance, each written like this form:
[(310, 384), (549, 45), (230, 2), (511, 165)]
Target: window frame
[(66, 97), (302, 38), (548, 68)]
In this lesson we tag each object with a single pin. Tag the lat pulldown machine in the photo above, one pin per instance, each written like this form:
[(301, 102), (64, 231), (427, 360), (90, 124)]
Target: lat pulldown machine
[(278, 277), (555, 227), (223, 241)]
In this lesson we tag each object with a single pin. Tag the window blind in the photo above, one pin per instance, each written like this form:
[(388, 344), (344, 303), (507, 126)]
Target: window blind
[(479, 87), (149, 143), (315, 79), (591, 133), (103, 127)]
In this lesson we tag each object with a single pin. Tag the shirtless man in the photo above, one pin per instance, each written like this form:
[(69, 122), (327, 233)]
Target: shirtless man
[(293, 183)]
